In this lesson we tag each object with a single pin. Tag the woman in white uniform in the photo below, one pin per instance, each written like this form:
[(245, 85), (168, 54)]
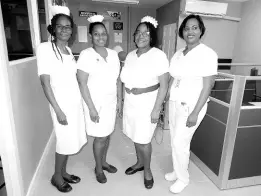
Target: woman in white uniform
[(192, 71), (98, 72), (57, 71), (145, 76)]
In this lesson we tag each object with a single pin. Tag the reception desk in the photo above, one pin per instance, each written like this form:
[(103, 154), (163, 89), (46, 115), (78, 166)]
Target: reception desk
[(227, 144)]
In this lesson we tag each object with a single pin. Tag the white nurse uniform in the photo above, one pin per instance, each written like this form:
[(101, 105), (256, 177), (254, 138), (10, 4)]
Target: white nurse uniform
[(188, 72), (141, 72), (102, 84), (69, 138)]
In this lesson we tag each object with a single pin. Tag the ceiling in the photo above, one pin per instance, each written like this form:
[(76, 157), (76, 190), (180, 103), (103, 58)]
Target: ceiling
[(154, 3), (142, 3), (158, 3)]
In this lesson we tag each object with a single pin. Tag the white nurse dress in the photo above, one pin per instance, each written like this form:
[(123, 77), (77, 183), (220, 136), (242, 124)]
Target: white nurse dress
[(69, 138), (102, 84), (141, 72)]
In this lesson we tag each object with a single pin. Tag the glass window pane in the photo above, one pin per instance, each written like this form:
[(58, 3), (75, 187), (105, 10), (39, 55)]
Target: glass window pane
[(42, 21), (252, 93), (222, 89), (17, 29)]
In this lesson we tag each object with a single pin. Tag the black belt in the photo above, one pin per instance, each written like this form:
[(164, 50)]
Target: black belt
[(138, 91)]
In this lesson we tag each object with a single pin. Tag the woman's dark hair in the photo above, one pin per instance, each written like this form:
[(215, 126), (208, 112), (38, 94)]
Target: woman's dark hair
[(92, 25), (200, 24), (51, 30), (153, 33)]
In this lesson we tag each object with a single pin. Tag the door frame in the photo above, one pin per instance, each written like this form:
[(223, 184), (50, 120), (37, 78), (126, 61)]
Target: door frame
[(8, 141)]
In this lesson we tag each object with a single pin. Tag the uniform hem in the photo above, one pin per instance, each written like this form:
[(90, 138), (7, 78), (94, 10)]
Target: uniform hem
[(91, 135), (137, 142), (73, 152)]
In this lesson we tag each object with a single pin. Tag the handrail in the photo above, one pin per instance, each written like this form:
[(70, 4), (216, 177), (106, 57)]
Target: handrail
[(226, 75), (239, 64)]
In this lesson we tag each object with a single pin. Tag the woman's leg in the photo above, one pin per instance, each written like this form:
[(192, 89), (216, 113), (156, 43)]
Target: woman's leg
[(106, 166), (146, 150), (181, 146), (140, 162), (60, 160), (138, 166), (99, 147), (107, 143), (57, 179), (68, 177), (64, 172), (172, 126)]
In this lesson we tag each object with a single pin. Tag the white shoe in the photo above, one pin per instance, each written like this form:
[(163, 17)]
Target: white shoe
[(178, 187), (171, 176)]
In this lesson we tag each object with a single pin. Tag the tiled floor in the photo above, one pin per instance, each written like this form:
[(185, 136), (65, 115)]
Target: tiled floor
[(121, 154)]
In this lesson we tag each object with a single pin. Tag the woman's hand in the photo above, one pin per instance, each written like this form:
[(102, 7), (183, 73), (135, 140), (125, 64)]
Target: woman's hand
[(119, 109), (94, 115), (192, 119), (155, 115), (61, 117)]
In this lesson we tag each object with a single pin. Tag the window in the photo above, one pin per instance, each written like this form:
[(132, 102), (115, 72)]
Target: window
[(42, 21), (17, 29)]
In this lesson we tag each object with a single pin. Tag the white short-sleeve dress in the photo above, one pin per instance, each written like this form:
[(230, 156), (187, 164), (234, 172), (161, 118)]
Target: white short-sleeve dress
[(102, 84), (70, 138), (141, 72)]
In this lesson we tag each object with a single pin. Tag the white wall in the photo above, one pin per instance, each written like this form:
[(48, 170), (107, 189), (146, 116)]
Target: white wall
[(33, 125), (220, 34), (248, 39), (100, 8)]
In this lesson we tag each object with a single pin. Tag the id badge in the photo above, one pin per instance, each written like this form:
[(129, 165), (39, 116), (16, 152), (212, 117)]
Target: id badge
[(177, 83), (185, 108)]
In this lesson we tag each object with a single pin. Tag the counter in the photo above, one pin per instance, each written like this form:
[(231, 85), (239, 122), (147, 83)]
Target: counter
[(226, 145)]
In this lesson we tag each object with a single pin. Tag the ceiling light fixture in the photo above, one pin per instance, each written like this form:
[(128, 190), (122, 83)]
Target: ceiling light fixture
[(119, 1)]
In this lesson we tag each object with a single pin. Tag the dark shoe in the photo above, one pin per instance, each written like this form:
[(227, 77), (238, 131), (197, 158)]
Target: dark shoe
[(131, 171), (64, 187), (148, 183), (101, 178), (110, 169), (72, 179)]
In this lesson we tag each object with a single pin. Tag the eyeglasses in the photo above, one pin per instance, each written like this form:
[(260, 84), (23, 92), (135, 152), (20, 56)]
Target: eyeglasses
[(144, 34), (100, 35), (63, 28), (194, 28)]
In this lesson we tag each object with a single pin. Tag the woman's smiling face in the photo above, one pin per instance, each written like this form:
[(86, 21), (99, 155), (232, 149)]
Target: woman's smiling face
[(142, 36), (192, 32), (99, 35)]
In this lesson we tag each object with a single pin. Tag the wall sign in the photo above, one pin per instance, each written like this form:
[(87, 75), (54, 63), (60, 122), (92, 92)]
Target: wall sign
[(82, 34), (86, 14), (118, 26), (114, 15), (118, 37)]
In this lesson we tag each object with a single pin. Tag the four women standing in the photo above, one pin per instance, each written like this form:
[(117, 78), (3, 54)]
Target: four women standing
[(144, 80)]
